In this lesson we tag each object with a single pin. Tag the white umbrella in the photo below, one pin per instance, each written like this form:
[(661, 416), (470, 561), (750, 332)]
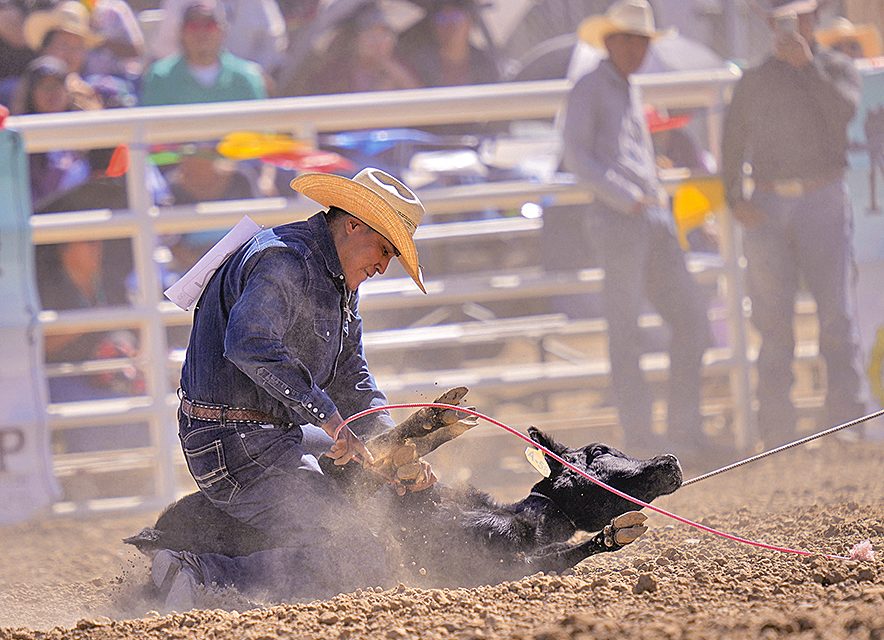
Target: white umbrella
[(675, 52), (672, 52)]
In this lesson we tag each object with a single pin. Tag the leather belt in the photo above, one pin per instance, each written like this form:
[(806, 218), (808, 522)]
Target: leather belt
[(796, 187), (227, 414)]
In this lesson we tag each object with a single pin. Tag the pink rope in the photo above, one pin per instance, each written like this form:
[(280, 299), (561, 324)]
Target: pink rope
[(554, 456)]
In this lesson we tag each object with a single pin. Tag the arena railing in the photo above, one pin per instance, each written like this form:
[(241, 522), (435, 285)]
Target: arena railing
[(306, 117)]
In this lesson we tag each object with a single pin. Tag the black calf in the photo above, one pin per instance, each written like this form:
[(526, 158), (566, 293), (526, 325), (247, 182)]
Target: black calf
[(461, 536)]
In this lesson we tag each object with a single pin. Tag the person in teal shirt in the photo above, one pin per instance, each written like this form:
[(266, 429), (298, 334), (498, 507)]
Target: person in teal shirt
[(202, 72)]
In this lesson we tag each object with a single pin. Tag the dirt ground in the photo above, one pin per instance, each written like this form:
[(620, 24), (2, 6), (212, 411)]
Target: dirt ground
[(72, 578)]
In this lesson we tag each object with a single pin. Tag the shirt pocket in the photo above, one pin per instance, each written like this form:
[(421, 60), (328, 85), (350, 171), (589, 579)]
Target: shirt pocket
[(323, 329)]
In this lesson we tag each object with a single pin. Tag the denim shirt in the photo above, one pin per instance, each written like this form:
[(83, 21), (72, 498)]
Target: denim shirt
[(276, 330), (606, 140)]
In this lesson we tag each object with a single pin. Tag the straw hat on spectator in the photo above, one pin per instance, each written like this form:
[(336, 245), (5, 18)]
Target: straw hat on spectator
[(377, 199), (779, 8), (70, 16), (625, 16), (866, 35)]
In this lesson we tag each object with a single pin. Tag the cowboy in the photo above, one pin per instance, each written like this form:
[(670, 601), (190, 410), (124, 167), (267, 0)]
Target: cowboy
[(608, 147), (275, 360), (788, 119)]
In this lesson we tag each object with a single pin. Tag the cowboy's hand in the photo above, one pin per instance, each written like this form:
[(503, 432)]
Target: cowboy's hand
[(424, 478), (347, 446), (748, 214), (792, 49)]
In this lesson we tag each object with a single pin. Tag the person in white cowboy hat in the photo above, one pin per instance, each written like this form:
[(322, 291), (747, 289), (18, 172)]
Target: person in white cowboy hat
[(634, 17), (608, 147), (788, 121), (275, 359), (65, 33)]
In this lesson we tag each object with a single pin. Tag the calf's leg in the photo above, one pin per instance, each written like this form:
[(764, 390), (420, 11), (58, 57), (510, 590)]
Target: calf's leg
[(560, 556)]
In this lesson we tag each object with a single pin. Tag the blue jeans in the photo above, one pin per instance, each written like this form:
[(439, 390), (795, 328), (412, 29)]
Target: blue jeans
[(643, 260), (268, 477), (804, 239)]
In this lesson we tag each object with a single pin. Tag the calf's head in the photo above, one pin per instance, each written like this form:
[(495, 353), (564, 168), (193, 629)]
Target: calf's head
[(590, 506)]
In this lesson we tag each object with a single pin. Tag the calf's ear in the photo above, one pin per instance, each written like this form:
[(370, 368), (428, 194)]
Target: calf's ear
[(547, 441), (550, 443)]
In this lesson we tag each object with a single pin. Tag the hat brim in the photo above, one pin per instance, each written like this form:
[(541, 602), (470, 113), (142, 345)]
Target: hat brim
[(799, 7), (869, 39), (331, 190), (594, 29), (39, 23)]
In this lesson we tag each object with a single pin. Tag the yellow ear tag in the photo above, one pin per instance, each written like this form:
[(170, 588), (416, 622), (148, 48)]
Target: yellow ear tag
[(538, 461)]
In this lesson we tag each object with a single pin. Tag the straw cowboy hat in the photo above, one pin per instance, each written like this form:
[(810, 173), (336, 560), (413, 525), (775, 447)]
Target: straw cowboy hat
[(624, 16), (866, 35), (379, 200), (70, 16)]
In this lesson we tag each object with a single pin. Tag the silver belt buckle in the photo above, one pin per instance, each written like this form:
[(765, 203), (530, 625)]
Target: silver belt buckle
[(788, 188)]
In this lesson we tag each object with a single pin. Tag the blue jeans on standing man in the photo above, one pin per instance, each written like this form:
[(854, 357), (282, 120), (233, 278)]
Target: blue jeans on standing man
[(804, 239), (643, 260)]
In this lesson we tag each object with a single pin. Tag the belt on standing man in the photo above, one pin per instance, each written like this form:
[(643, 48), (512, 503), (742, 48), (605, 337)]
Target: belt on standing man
[(797, 187)]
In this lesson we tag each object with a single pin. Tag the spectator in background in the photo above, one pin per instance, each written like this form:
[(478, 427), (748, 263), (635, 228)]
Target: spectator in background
[(297, 14), (203, 175), (608, 147), (64, 32), (674, 145), (88, 274), (121, 52), (203, 71), (15, 54), (853, 40), (361, 57), (44, 88), (788, 119), (438, 48), (293, 72), (257, 30)]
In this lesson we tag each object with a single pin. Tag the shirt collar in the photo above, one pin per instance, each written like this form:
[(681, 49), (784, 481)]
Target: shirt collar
[(614, 76), (323, 237)]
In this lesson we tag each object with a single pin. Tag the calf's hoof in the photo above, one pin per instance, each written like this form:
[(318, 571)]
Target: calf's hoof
[(624, 529)]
